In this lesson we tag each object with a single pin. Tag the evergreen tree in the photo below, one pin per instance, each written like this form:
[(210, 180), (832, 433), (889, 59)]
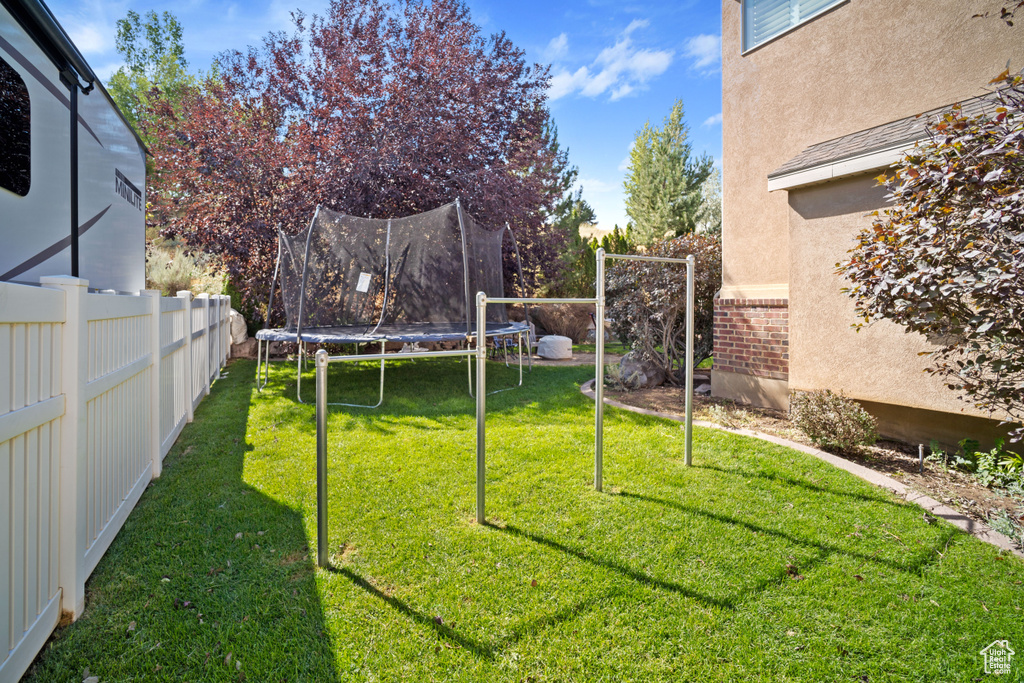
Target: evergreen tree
[(663, 181)]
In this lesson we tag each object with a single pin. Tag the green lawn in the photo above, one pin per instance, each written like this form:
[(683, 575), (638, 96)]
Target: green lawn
[(758, 563)]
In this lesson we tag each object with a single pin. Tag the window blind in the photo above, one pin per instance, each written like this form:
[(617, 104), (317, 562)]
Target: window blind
[(765, 19)]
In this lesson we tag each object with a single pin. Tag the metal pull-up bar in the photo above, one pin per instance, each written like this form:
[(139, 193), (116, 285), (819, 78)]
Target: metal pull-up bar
[(599, 306), (323, 359)]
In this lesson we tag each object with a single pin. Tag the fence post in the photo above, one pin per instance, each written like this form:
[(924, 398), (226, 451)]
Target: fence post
[(227, 322), (187, 296), (204, 301), (222, 333), (156, 432), (73, 479), (215, 336)]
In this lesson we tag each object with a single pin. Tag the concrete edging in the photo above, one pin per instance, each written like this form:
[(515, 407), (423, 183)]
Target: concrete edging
[(977, 529)]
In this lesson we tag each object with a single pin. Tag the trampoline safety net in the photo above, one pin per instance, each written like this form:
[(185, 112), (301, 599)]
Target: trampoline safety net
[(348, 279)]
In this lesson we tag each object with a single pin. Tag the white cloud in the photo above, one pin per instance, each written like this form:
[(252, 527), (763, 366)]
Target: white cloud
[(557, 48), (91, 39), (624, 164), (705, 51), (715, 120), (621, 69), (107, 69), (593, 185), (635, 24)]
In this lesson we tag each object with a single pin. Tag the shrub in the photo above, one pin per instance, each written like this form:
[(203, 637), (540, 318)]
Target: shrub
[(172, 268), (946, 259), (647, 302), (566, 320), (831, 420)]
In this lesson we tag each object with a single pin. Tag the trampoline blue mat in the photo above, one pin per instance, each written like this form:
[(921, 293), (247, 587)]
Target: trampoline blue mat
[(399, 332)]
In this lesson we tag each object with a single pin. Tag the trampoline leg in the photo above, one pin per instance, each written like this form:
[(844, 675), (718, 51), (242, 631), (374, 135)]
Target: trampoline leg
[(520, 341), (380, 400), (298, 368), (259, 365)]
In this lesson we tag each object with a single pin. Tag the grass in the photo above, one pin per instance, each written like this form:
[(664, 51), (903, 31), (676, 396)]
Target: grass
[(758, 563)]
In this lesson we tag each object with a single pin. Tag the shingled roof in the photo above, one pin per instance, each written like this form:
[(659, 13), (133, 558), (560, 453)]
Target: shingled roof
[(886, 136)]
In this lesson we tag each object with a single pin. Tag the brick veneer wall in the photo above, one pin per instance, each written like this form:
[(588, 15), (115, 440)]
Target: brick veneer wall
[(752, 337)]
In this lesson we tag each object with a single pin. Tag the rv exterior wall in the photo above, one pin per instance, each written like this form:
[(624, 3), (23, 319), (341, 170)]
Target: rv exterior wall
[(112, 180), (35, 229), (30, 224)]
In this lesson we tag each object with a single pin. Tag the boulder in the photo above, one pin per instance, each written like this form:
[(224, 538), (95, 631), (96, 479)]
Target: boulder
[(247, 349), (640, 373), (554, 347), (236, 323)]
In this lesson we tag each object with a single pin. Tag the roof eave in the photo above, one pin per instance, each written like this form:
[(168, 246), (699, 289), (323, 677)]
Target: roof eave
[(840, 168)]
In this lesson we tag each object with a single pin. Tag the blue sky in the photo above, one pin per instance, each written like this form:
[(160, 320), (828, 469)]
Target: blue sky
[(615, 64)]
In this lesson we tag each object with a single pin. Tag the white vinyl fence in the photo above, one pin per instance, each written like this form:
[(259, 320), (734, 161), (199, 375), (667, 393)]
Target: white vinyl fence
[(94, 390)]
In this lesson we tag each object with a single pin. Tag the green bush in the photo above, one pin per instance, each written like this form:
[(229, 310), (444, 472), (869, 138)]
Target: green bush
[(647, 302), (171, 268), (831, 420)]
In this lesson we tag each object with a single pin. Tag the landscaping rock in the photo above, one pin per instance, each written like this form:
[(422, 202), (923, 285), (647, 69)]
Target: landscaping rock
[(247, 349), (237, 326), (554, 347), (640, 373)]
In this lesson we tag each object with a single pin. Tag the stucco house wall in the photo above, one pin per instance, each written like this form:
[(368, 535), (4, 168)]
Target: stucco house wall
[(860, 64)]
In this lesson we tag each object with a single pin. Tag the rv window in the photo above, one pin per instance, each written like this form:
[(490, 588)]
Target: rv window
[(15, 138)]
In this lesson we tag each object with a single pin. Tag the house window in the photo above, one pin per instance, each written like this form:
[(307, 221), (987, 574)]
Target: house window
[(765, 19), (15, 137)]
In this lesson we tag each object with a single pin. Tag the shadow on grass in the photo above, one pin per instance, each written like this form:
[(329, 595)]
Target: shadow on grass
[(791, 481), (626, 571), (209, 579), (921, 560), (477, 647)]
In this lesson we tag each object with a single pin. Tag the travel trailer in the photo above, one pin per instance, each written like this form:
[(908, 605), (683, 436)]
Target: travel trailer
[(72, 170)]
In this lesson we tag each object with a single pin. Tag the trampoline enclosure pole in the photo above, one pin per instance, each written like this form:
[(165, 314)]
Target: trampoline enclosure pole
[(689, 360), (321, 457), (599, 374), (481, 400)]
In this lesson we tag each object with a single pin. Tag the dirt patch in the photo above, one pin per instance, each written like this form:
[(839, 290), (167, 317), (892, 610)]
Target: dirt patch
[(893, 458)]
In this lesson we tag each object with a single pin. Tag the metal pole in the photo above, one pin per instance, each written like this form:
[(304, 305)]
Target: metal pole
[(689, 359), (599, 374), (481, 401), (321, 361)]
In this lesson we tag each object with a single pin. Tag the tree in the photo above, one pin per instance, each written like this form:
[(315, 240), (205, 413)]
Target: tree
[(663, 182), (711, 193), (947, 260), (373, 110), (647, 302), (154, 57)]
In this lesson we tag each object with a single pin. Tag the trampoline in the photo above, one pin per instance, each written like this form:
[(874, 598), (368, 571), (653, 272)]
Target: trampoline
[(349, 280)]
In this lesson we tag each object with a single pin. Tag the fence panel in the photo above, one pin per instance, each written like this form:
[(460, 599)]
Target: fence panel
[(31, 410), (94, 390), (175, 379), (200, 348), (117, 396)]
